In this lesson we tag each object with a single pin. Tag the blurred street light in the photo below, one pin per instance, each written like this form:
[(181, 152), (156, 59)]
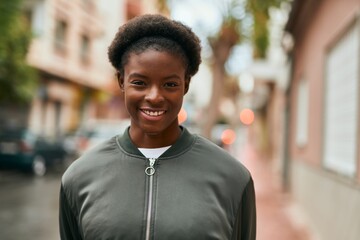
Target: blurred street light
[(182, 116), (247, 116), (228, 136)]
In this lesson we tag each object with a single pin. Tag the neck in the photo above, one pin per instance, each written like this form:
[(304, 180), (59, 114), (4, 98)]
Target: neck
[(155, 140)]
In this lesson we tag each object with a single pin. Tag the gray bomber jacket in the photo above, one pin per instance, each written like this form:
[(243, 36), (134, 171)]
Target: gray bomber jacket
[(198, 191)]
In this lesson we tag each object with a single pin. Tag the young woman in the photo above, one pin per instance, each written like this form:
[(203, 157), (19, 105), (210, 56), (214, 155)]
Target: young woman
[(156, 180)]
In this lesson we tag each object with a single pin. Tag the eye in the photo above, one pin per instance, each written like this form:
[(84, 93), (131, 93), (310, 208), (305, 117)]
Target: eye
[(138, 83), (171, 84)]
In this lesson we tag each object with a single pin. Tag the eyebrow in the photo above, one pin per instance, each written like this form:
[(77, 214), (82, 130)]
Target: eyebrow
[(138, 75), (172, 76)]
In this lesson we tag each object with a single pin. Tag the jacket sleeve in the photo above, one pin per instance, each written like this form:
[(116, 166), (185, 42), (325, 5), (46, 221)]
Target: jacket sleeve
[(245, 225), (68, 223)]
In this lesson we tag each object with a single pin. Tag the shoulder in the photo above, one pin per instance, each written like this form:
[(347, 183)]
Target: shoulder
[(92, 163), (220, 160)]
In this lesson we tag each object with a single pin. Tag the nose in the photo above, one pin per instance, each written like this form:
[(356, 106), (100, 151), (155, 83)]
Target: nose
[(154, 95)]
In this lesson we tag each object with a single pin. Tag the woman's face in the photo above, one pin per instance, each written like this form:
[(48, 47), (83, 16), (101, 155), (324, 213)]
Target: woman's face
[(154, 85)]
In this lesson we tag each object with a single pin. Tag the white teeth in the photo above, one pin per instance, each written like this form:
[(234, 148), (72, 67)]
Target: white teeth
[(153, 113)]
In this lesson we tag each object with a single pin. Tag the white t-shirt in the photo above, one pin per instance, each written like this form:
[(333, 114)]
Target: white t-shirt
[(153, 152)]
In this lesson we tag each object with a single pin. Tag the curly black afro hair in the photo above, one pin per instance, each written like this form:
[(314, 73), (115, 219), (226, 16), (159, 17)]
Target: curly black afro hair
[(157, 32)]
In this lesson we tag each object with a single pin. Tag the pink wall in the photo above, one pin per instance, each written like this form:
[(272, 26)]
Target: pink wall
[(329, 20)]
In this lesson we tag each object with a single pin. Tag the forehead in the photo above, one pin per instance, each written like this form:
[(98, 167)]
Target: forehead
[(152, 60), (154, 43)]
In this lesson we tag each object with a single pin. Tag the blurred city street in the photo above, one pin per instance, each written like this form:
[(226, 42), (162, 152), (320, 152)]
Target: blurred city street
[(278, 215), (278, 87), (29, 206)]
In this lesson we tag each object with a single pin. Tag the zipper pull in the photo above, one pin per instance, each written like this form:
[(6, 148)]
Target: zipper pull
[(150, 170)]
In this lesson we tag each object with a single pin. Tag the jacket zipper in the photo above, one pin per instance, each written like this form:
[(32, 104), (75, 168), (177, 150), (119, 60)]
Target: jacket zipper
[(150, 172)]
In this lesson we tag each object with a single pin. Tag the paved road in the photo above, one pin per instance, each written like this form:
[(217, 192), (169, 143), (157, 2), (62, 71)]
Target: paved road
[(29, 206), (278, 215)]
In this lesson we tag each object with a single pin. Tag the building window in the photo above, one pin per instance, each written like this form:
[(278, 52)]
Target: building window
[(34, 13), (342, 104), (60, 36), (38, 18), (302, 113), (85, 49)]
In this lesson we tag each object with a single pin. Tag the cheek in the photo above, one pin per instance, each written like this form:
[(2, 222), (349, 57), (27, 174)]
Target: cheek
[(127, 103), (178, 103), (129, 99)]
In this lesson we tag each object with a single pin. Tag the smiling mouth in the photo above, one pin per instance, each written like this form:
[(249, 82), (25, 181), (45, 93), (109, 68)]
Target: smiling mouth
[(153, 113)]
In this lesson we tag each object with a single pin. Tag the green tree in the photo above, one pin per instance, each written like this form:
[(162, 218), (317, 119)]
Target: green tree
[(231, 33), (222, 43), (259, 10), (17, 79)]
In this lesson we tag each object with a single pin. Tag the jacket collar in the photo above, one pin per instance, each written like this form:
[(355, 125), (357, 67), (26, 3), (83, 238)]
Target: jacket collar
[(182, 144)]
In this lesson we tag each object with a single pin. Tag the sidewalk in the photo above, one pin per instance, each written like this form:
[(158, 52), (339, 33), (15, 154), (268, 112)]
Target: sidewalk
[(278, 217)]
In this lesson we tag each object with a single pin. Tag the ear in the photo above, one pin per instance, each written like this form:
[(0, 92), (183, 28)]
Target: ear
[(120, 80), (187, 84)]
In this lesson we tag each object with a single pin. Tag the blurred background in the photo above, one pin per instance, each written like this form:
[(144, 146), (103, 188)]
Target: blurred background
[(278, 88)]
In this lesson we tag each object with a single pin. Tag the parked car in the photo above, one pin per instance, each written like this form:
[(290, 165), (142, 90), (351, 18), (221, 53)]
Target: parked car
[(22, 149), (97, 131)]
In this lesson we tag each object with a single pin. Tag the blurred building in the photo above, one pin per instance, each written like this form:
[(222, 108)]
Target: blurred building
[(70, 51), (324, 126)]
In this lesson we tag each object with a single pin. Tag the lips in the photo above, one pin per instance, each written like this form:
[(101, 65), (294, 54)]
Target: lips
[(153, 113)]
